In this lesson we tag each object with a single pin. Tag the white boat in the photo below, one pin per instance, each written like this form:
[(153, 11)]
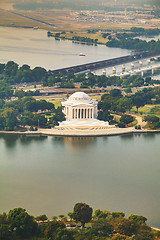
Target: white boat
[(82, 55)]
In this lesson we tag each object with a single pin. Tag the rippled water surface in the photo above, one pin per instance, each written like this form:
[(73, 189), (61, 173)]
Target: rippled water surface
[(33, 47), (50, 174)]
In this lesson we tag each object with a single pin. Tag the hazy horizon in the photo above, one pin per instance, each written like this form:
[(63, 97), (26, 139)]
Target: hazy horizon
[(80, 4)]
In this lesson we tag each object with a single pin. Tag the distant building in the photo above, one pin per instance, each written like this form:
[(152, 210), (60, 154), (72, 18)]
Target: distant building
[(81, 110)]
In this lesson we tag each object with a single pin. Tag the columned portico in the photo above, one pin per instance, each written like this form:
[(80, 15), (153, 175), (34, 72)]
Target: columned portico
[(80, 110), (81, 113)]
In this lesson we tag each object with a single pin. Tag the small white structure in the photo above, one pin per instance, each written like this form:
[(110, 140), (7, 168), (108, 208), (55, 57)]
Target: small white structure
[(80, 110)]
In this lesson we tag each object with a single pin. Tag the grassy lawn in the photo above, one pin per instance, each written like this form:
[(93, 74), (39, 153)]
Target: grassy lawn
[(134, 123), (142, 110), (56, 103), (155, 111), (88, 35)]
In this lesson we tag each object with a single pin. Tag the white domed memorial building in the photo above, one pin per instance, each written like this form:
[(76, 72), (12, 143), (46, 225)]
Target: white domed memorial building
[(81, 111)]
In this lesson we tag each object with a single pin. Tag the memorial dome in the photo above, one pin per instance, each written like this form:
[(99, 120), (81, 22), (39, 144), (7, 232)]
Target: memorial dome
[(80, 110), (80, 97)]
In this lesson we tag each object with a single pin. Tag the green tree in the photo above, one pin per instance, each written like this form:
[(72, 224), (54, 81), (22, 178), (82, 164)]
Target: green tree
[(63, 234), (101, 214), (52, 229), (102, 227), (42, 217), (2, 67), (118, 215), (5, 234), (144, 233), (83, 213), (22, 223), (11, 68), (126, 119), (138, 100), (118, 236), (126, 226), (137, 218), (116, 93), (10, 116)]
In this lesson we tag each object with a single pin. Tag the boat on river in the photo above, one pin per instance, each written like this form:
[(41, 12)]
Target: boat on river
[(82, 55)]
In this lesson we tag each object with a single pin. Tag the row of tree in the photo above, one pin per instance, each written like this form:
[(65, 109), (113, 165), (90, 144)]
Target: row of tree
[(115, 102), (91, 80), (12, 74), (103, 225), (28, 111), (134, 44)]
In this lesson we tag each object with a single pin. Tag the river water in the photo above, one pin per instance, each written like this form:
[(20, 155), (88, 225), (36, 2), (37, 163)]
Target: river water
[(50, 174), (33, 47)]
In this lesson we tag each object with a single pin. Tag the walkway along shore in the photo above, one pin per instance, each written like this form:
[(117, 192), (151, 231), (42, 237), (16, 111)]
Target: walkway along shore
[(83, 132)]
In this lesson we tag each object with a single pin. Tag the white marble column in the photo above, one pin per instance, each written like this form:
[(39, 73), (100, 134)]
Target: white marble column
[(92, 112), (79, 113)]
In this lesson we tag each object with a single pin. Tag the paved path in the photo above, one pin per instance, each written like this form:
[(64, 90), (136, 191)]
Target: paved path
[(140, 120)]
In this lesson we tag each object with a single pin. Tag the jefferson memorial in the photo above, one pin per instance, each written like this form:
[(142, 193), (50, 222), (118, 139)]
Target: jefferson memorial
[(81, 111)]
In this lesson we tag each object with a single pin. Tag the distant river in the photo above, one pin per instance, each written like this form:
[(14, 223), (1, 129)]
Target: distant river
[(50, 174), (33, 47)]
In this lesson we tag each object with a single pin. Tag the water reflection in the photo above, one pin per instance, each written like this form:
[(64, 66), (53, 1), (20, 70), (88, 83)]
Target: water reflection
[(127, 137), (26, 140), (78, 142), (149, 135), (10, 140)]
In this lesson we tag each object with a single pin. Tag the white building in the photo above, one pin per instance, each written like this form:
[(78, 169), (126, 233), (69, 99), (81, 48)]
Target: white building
[(80, 110)]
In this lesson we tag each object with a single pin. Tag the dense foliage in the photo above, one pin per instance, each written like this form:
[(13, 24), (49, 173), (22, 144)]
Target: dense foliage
[(28, 111), (104, 225), (12, 74), (115, 102), (138, 44)]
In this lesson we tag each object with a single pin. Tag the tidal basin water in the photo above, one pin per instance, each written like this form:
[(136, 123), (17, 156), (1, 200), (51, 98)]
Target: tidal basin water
[(50, 174)]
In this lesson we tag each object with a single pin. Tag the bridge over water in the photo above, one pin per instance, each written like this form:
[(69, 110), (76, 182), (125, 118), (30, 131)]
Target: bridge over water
[(106, 63)]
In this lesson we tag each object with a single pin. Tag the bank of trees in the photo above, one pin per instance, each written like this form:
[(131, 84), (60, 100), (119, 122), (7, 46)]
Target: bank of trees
[(28, 111), (12, 74), (102, 225), (134, 44), (90, 81), (127, 39)]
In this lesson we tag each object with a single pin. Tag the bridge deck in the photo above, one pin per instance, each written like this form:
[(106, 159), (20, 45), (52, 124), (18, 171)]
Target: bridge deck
[(106, 63)]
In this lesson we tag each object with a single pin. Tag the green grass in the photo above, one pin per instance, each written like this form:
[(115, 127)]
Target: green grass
[(56, 103), (155, 111), (134, 123), (142, 110)]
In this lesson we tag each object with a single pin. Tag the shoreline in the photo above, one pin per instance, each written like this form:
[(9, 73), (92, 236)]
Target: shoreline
[(81, 133)]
